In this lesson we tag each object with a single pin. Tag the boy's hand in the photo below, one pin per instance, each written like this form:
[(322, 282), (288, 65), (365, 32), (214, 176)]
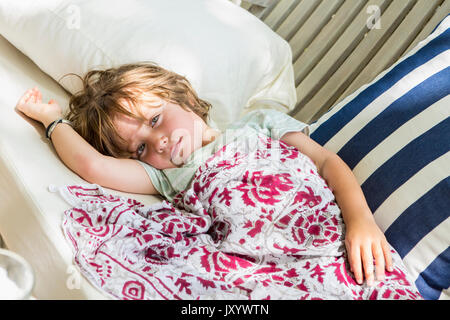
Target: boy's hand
[(364, 240), (32, 106), (365, 243)]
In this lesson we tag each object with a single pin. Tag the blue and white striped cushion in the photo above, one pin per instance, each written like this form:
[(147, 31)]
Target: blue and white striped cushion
[(394, 133)]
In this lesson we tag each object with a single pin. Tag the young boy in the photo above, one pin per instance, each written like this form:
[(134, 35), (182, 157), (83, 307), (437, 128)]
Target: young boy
[(146, 113)]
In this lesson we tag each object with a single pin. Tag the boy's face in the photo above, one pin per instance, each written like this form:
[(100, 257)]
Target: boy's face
[(167, 137)]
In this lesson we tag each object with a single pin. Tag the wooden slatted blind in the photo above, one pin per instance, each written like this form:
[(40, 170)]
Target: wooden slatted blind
[(337, 46)]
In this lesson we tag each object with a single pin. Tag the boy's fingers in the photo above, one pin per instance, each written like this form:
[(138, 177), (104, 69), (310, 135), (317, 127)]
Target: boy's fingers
[(27, 94), (36, 95), (39, 95), (379, 261), (367, 258), (387, 256), (32, 97), (355, 263), (25, 97), (22, 99)]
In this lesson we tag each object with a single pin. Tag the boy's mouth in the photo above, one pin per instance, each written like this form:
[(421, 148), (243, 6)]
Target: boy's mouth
[(175, 149)]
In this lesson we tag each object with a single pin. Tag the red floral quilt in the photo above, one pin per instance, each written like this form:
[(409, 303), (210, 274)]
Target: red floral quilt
[(257, 222)]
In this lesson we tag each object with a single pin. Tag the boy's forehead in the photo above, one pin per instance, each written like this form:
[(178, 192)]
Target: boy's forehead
[(142, 105)]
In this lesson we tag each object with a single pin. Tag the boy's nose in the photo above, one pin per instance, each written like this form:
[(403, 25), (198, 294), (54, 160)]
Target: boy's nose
[(162, 144)]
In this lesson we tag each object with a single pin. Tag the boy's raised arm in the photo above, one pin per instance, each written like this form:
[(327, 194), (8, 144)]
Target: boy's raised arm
[(120, 174)]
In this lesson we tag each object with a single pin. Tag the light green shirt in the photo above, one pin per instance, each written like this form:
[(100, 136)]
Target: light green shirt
[(271, 123)]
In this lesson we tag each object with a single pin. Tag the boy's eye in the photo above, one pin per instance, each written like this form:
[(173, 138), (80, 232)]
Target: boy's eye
[(140, 149), (154, 120)]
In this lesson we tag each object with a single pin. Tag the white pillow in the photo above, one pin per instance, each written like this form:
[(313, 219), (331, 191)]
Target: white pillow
[(232, 59)]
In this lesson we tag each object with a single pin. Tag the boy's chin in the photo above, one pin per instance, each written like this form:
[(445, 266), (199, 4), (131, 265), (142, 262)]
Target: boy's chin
[(177, 161), (181, 158)]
